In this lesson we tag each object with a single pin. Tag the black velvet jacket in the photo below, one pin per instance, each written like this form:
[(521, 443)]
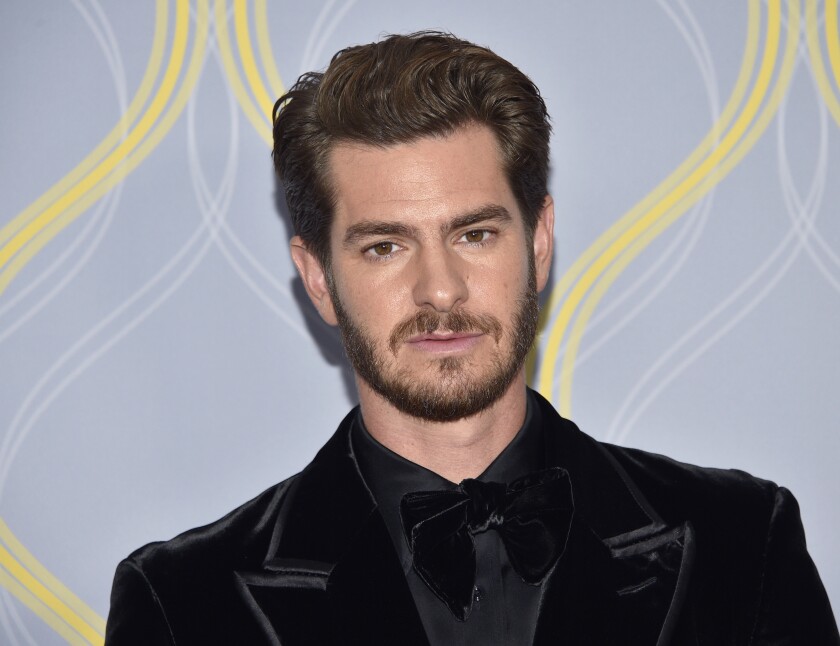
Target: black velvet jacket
[(659, 553)]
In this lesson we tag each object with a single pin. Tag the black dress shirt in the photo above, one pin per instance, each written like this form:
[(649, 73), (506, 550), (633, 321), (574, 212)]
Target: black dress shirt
[(504, 606)]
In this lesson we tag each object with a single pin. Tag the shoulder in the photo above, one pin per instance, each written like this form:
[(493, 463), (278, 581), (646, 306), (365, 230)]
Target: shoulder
[(675, 491), (735, 517), (170, 588), (681, 491), (238, 540), (750, 546)]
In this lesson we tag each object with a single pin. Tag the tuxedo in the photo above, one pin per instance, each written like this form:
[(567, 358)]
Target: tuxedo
[(658, 553)]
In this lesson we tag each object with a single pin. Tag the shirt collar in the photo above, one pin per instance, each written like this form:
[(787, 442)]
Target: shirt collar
[(390, 476)]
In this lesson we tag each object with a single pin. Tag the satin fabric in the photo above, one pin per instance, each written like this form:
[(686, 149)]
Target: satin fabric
[(658, 553)]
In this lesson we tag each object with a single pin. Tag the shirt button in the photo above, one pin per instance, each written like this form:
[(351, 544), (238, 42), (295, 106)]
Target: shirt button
[(477, 594)]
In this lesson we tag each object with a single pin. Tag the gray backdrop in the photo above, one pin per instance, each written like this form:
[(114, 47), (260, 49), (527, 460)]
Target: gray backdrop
[(160, 365)]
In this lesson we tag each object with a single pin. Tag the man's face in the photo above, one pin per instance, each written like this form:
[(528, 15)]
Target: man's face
[(434, 278)]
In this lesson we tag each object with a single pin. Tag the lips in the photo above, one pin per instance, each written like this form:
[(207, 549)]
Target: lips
[(443, 332), (444, 342)]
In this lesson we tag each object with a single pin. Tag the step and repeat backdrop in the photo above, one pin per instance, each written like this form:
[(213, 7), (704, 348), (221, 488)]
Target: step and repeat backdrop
[(161, 364)]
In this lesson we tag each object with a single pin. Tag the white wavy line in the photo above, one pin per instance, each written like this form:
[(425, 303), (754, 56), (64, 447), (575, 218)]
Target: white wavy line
[(9, 615), (228, 235), (810, 233), (261, 269), (305, 60), (638, 306), (19, 428), (702, 56), (109, 45), (305, 310), (697, 216), (791, 196), (311, 56), (205, 199), (310, 40), (10, 448), (619, 429), (103, 214), (202, 193), (618, 433), (699, 213)]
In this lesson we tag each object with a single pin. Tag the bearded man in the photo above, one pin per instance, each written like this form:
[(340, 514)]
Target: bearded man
[(453, 505)]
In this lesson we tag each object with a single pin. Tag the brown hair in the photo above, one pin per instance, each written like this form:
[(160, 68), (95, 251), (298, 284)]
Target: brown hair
[(397, 90)]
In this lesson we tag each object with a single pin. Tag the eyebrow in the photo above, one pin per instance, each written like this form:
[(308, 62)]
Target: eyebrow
[(486, 213), (375, 228)]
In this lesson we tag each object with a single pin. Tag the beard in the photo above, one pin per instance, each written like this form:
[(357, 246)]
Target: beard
[(457, 390)]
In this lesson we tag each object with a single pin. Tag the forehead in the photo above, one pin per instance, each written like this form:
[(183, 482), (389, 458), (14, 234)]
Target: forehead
[(424, 181)]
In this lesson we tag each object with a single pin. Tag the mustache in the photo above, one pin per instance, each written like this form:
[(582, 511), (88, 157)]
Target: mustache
[(428, 321)]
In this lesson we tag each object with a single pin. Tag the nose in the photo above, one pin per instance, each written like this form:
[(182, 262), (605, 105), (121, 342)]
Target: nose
[(441, 280)]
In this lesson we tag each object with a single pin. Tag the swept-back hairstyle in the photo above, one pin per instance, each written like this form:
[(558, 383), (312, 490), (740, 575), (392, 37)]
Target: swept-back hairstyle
[(398, 90)]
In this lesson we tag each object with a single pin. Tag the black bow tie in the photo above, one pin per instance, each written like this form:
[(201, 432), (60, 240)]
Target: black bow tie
[(532, 516)]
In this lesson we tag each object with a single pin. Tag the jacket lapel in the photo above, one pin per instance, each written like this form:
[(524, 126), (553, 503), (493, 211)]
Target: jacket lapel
[(331, 574), (624, 575)]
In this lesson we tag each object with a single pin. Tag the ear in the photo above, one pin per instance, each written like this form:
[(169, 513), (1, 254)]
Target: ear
[(544, 241), (314, 279)]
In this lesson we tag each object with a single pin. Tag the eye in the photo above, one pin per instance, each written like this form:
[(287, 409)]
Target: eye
[(476, 236), (382, 249)]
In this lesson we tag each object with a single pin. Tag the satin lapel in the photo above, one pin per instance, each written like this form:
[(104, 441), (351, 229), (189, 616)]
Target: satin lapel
[(624, 576), (332, 575)]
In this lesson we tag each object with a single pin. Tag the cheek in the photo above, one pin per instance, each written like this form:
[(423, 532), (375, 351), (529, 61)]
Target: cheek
[(376, 302), (498, 287)]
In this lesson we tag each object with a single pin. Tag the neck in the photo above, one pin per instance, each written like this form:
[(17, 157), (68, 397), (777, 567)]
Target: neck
[(454, 450)]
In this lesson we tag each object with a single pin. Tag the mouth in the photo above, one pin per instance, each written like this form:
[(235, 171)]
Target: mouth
[(444, 342)]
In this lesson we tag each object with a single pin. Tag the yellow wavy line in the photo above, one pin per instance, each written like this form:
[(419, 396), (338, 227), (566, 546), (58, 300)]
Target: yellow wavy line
[(27, 560), (45, 614), (815, 53), (130, 163), (660, 210), (680, 191), (53, 597), (50, 600), (261, 124), (726, 166), (614, 231), (246, 54), (107, 166), (144, 89), (46, 597), (264, 46), (832, 37)]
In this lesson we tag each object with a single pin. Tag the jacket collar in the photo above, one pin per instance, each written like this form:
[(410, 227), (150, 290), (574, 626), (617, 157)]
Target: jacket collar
[(332, 575), (625, 573)]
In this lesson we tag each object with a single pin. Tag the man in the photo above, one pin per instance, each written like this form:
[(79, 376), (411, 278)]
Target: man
[(415, 171)]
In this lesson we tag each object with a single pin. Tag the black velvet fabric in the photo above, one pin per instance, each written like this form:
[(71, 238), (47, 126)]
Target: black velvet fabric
[(658, 553)]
